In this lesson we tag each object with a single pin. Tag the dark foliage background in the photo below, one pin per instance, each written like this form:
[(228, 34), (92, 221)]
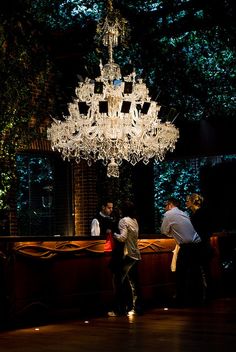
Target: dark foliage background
[(184, 49)]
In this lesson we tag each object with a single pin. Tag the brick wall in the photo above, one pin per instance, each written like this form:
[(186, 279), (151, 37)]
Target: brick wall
[(85, 197)]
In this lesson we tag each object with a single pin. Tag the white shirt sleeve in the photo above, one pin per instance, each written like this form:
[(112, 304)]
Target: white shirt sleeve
[(165, 226), (122, 236), (95, 228)]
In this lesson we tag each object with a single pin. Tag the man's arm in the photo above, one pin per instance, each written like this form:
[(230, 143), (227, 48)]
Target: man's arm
[(122, 236), (165, 227)]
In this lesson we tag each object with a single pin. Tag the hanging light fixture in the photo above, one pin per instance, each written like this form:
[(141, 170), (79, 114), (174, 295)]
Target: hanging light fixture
[(112, 118)]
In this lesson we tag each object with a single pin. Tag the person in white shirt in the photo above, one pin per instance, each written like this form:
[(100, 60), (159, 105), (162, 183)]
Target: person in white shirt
[(177, 224), (103, 222)]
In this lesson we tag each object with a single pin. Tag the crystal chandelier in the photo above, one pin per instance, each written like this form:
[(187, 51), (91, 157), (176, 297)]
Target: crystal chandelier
[(112, 118)]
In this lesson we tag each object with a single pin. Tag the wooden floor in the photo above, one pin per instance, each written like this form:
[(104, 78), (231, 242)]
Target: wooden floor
[(209, 328)]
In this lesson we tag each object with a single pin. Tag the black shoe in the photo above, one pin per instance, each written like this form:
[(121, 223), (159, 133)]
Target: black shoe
[(113, 314), (133, 312)]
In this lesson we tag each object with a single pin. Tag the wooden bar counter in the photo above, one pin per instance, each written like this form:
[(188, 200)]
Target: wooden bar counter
[(56, 277)]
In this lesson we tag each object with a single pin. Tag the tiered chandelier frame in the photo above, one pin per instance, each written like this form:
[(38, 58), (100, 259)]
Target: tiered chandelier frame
[(112, 118)]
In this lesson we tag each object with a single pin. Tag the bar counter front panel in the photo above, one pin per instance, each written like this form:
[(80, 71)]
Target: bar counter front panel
[(61, 277)]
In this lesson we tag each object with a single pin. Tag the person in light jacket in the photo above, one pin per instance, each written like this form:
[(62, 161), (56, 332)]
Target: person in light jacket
[(128, 234)]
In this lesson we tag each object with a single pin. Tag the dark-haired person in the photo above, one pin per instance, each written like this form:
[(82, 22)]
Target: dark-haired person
[(128, 234), (103, 222), (104, 225), (201, 219), (177, 224)]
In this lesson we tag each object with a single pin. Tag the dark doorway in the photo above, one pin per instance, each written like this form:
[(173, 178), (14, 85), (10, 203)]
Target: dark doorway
[(218, 184)]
